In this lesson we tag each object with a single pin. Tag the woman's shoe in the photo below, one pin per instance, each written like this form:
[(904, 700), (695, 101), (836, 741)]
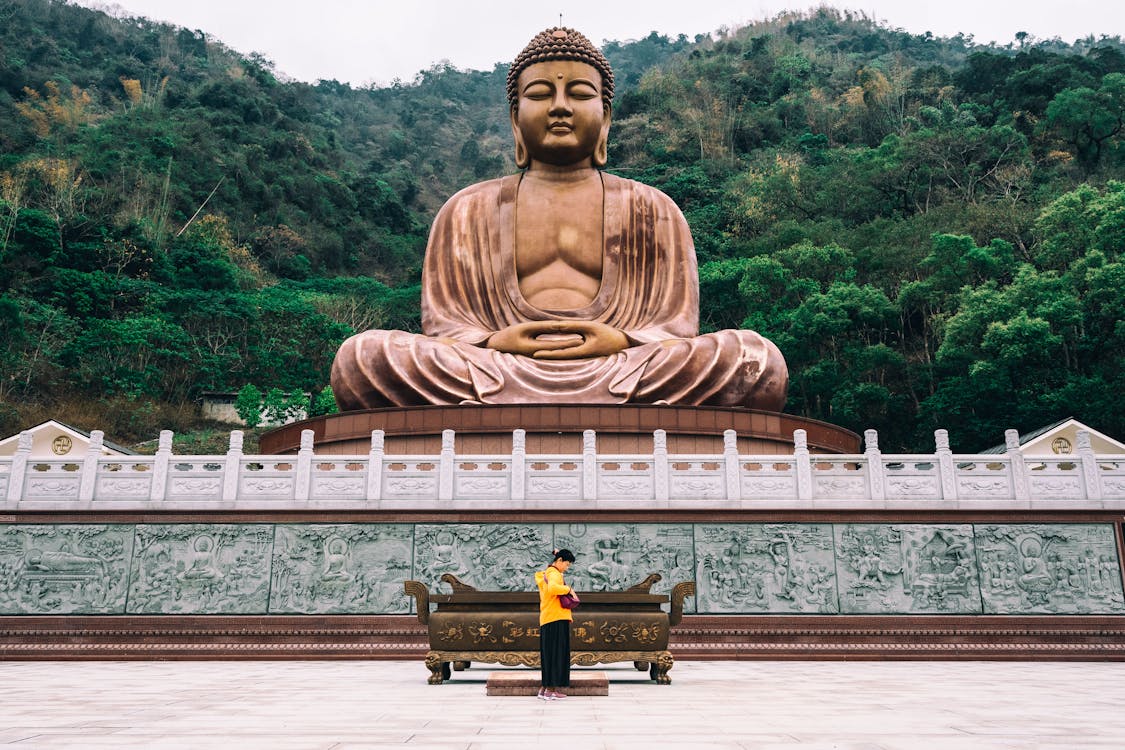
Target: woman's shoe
[(555, 695)]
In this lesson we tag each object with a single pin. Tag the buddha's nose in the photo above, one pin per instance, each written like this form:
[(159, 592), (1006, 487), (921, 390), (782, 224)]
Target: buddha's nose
[(560, 105)]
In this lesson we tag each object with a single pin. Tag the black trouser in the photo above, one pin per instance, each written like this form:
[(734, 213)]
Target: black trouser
[(554, 653)]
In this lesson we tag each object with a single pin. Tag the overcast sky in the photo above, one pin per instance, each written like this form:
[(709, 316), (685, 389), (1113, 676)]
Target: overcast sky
[(376, 41)]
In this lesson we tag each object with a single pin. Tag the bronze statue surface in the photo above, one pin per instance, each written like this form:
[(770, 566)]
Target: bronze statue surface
[(561, 284)]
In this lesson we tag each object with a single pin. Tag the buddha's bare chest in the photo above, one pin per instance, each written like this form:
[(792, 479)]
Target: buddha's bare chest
[(565, 231), (559, 245)]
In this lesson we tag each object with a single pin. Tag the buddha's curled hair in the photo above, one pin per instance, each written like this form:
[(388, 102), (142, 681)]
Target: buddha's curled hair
[(560, 43)]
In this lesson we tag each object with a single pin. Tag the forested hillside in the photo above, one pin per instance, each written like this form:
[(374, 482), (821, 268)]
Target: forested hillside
[(930, 230)]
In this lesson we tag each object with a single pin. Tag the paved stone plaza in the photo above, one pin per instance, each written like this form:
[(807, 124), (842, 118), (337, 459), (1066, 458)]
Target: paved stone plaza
[(751, 705)]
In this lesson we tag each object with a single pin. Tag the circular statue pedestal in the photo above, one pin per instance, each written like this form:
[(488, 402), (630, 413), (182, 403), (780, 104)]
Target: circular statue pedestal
[(557, 429)]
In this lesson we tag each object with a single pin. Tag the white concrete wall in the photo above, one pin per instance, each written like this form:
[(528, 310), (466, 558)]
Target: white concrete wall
[(868, 481)]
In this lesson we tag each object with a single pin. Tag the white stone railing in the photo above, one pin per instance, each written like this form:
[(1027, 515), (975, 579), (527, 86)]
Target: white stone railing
[(376, 481)]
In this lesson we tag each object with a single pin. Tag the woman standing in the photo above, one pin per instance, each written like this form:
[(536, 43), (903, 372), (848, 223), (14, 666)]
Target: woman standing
[(554, 627)]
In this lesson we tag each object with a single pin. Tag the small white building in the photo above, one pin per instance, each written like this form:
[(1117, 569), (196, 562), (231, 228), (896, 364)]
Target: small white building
[(1061, 439), (220, 406), (53, 439)]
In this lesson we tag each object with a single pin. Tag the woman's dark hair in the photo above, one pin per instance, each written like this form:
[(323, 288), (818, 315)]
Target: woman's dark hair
[(564, 554)]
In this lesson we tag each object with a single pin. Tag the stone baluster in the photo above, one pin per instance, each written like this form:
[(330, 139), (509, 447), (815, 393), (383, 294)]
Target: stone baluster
[(1090, 473), (89, 477), (232, 470), (375, 467), (159, 487), (875, 471), (445, 466), (1020, 487), (730, 465), (661, 479), (19, 468), (519, 465), (589, 465), (947, 473), (302, 483), (802, 462)]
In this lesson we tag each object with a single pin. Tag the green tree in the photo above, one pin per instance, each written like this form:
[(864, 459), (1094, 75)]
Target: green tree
[(248, 404), (324, 403), (279, 406), (1090, 119), (139, 356), (1083, 219)]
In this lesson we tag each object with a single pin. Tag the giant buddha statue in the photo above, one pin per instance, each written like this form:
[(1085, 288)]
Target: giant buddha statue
[(561, 284)]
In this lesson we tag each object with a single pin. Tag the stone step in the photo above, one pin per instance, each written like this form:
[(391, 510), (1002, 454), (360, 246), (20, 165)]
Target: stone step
[(528, 683)]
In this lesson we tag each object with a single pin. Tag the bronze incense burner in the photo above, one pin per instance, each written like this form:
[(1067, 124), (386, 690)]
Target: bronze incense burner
[(502, 627)]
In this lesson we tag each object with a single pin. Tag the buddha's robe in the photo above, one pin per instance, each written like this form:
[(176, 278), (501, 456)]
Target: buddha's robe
[(649, 290)]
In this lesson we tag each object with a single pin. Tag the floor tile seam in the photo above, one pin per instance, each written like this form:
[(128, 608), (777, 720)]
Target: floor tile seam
[(339, 735)]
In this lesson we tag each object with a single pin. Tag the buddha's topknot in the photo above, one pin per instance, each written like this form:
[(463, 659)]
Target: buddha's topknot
[(560, 43)]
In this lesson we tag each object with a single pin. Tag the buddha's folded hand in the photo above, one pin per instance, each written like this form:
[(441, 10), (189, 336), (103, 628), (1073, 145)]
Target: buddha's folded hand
[(597, 340), (559, 339)]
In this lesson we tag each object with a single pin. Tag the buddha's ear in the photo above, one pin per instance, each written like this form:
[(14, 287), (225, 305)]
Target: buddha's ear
[(522, 158), (601, 149)]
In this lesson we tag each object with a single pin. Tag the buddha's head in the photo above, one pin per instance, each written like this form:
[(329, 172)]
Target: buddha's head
[(560, 89)]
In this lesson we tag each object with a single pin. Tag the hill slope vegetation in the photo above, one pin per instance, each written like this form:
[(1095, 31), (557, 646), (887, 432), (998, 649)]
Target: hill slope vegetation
[(931, 230)]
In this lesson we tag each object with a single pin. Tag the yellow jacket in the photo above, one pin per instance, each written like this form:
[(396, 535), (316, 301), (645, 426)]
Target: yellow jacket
[(551, 586)]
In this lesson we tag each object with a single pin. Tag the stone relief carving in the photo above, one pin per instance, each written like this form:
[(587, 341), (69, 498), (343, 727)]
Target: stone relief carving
[(57, 570), (411, 486), (739, 568), (985, 487), (912, 487), (123, 487), (629, 486), (51, 488), (889, 568), (612, 557), (477, 486), (341, 568), (839, 486), (191, 487), (1056, 487), (552, 487), (1049, 568), (696, 487), (337, 487), (771, 567), (496, 557), (268, 486), (200, 569), (769, 486)]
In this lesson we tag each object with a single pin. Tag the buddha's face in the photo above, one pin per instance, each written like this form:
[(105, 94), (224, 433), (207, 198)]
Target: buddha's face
[(560, 118)]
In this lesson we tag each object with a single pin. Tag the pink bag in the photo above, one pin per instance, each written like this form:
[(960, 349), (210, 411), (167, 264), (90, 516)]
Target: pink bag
[(570, 601)]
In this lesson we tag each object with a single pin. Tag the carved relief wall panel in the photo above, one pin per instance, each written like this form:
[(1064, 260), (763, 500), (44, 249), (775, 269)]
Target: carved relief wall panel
[(200, 569), (1049, 569), (907, 569), (765, 568), (754, 568), (497, 557), (64, 570), (341, 568), (615, 556)]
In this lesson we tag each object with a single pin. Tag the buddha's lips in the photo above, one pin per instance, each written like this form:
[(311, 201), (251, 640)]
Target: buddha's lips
[(560, 126)]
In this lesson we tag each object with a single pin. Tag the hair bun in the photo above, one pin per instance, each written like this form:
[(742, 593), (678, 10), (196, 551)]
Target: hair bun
[(560, 43)]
